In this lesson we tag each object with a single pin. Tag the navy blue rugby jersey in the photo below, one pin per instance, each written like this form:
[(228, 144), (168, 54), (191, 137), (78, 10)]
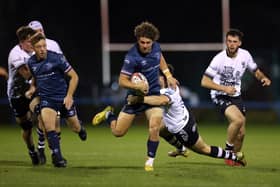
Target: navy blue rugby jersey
[(50, 75), (148, 65)]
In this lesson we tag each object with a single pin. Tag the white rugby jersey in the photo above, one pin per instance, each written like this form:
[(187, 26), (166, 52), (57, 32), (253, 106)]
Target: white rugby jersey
[(176, 115), (53, 46), (17, 85), (228, 71)]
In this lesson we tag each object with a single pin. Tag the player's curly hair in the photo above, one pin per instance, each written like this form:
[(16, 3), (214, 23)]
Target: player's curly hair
[(148, 30)]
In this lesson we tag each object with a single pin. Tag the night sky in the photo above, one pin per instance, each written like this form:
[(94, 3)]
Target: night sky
[(76, 26)]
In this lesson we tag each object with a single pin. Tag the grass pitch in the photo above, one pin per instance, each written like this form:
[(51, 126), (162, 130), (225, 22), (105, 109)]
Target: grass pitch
[(104, 160)]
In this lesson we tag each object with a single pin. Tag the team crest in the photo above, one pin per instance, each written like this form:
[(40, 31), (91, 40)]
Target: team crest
[(143, 63), (34, 68)]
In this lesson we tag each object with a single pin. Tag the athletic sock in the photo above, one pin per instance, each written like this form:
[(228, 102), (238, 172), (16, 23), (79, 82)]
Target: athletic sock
[(31, 148), (229, 146), (54, 144), (41, 139), (218, 152), (59, 135), (152, 148), (110, 116)]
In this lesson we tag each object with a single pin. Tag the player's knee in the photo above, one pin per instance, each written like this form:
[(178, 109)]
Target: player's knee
[(240, 121), (154, 128), (118, 133)]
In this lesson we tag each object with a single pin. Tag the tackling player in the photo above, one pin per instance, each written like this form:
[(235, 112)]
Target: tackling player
[(17, 86), (181, 123)]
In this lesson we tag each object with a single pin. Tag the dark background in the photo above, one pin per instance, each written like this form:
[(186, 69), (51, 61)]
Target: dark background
[(76, 26)]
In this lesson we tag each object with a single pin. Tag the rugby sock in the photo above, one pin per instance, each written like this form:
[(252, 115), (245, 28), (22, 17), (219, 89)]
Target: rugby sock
[(54, 144), (59, 138), (41, 139), (152, 148), (31, 148), (59, 135), (229, 146), (110, 116), (218, 152)]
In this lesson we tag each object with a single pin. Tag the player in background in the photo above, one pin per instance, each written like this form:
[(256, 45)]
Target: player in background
[(34, 105), (144, 57), (17, 86), (52, 45), (56, 93), (181, 123), (223, 77)]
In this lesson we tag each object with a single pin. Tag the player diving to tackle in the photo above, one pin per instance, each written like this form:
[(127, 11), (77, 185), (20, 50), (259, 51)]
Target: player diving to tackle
[(181, 123)]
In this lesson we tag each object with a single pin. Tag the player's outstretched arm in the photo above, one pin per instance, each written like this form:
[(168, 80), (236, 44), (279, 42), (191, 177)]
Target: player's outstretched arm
[(151, 100), (171, 81), (261, 77)]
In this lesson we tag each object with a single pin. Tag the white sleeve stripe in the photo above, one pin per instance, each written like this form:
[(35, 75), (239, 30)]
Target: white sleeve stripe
[(68, 69), (208, 75), (126, 72)]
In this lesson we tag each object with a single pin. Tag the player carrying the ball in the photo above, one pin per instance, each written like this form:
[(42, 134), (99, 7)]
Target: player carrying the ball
[(144, 57)]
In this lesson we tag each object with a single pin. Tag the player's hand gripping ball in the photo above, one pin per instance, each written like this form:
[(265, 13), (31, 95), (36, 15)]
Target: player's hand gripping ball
[(142, 83)]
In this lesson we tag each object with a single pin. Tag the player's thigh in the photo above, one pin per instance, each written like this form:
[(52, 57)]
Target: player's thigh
[(48, 116), (232, 113), (124, 121), (154, 116)]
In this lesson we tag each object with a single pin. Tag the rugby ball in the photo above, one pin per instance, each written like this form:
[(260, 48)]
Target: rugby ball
[(138, 77)]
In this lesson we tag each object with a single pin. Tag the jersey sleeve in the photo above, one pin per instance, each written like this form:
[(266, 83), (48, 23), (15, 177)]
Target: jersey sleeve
[(128, 67), (251, 65), (64, 64), (16, 60), (213, 68), (168, 92)]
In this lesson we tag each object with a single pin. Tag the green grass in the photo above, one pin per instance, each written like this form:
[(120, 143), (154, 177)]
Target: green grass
[(104, 160)]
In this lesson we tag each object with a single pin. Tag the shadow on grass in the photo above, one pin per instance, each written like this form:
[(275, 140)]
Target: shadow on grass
[(195, 163), (107, 167), (248, 167), (14, 163)]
